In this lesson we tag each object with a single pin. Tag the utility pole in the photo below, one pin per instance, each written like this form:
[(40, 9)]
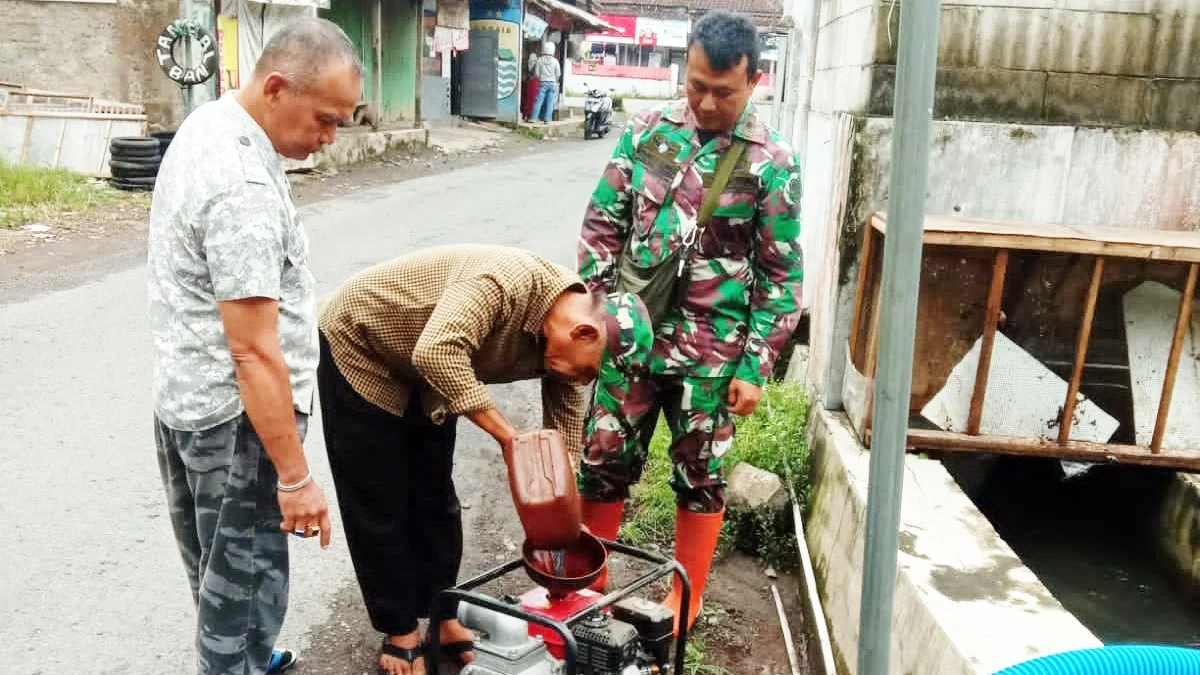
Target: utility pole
[(202, 12), (916, 68), (189, 100)]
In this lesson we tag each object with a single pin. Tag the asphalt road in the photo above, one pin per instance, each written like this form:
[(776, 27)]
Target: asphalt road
[(89, 576)]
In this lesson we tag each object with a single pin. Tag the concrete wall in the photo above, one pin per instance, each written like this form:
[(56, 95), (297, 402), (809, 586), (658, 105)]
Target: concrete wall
[(1127, 62), (964, 603), (659, 88), (1179, 529), (103, 49)]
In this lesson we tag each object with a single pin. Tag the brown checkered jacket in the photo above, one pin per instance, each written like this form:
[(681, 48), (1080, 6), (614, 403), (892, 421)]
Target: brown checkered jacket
[(451, 319)]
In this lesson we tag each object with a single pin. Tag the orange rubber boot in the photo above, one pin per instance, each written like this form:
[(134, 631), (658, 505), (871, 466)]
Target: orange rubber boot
[(696, 537), (603, 519)]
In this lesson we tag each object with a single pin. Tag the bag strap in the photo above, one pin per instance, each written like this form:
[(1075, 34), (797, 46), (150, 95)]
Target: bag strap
[(720, 180)]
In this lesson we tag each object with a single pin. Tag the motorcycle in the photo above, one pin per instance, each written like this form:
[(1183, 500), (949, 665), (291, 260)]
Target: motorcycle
[(597, 113)]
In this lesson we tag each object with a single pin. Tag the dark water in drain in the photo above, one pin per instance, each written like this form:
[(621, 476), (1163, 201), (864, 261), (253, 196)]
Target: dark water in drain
[(1091, 542)]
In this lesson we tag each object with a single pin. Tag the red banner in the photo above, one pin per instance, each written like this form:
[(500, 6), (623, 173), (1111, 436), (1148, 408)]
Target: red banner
[(626, 32)]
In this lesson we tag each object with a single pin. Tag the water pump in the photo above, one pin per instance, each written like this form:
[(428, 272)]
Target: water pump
[(561, 628)]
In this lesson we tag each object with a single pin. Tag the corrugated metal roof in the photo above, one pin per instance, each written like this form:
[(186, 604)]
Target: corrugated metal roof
[(765, 12)]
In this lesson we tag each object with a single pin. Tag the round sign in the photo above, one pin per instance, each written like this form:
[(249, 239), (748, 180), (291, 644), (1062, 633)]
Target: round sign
[(164, 48)]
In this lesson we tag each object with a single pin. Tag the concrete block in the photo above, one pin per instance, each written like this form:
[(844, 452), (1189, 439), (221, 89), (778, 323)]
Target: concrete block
[(358, 146), (1099, 99), (1177, 105), (1177, 46), (1066, 42), (1119, 177), (958, 43), (1111, 43), (832, 10), (752, 488), (846, 89), (999, 171), (1178, 197), (1131, 6), (1026, 4), (1014, 38), (846, 41), (992, 95), (970, 93)]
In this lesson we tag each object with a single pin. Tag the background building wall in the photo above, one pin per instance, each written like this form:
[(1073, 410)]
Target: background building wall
[(102, 49)]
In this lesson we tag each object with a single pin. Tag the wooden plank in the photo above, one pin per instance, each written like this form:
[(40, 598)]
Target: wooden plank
[(872, 362), (28, 137), (1171, 245), (75, 115), (921, 439), (62, 131), (860, 293), (107, 143), (1181, 325), (990, 322), (1081, 348)]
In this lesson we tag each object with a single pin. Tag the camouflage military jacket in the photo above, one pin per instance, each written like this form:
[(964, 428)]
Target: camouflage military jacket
[(742, 299)]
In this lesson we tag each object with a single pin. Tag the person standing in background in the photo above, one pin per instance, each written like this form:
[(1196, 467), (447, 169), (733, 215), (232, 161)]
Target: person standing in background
[(548, 73)]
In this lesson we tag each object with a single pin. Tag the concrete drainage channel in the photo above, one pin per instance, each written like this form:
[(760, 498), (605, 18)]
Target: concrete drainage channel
[(969, 600), (1112, 544)]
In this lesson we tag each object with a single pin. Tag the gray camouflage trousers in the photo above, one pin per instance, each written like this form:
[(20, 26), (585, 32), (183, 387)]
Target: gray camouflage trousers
[(220, 489)]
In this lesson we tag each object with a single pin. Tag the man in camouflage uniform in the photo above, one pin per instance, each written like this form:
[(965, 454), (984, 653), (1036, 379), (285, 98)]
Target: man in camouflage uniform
[(716, 349), (233, 314)]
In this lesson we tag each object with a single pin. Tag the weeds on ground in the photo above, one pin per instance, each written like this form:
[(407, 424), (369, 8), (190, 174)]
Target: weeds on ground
[(29, 193), (772, 439), (694, 660), (533, 133)]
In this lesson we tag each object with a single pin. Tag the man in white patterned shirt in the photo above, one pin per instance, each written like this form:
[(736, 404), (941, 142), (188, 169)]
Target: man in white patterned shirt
[(233, 315)]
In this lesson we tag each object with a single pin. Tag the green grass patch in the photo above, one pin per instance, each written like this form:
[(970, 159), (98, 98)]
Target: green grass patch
[(772, 439), (532, 132), (694, 662), (28, 194)]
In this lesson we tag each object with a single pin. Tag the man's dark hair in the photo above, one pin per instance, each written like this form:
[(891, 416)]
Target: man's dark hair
[(725, 39)]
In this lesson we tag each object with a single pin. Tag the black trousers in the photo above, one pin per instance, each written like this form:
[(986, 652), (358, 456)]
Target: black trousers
[(396, 494)]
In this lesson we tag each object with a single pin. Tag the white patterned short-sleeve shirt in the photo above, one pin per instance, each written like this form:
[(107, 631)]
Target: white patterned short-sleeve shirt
[(223, 227)]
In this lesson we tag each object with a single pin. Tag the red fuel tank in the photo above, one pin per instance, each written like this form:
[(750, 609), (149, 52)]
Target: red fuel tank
[(542, 482)]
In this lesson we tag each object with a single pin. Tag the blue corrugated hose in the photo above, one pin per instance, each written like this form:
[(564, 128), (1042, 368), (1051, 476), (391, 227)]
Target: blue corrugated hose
[(1118, 660)]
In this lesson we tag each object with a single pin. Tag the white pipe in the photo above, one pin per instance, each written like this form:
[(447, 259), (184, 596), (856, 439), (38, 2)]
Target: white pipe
[(829, 666), (787, 631)]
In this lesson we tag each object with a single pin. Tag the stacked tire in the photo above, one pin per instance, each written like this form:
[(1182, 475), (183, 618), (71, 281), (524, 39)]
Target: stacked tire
[(133, 161), (164, 141)]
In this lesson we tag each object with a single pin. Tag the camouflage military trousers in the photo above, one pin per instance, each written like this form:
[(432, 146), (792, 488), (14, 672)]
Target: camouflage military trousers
[(220, 489), (622, 421)]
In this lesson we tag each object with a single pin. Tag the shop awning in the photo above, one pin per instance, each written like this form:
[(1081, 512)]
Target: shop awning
[(572, 13)]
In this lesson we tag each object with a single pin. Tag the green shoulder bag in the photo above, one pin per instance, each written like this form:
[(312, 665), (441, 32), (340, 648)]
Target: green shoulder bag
[(663, 287)]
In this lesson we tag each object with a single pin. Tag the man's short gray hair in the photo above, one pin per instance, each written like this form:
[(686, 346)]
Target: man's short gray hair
[(303, 49)]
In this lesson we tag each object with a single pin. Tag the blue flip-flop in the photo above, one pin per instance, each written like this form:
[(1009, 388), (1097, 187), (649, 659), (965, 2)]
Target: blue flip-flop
[(282, 660)]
